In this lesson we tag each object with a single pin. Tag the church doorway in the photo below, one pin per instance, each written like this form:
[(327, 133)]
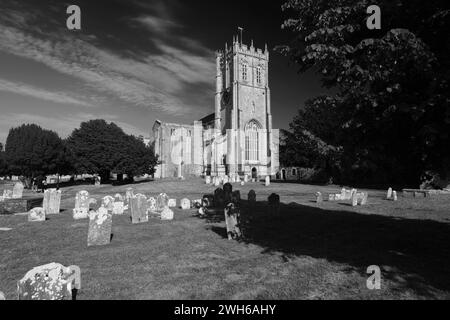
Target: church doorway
[(254, 173)]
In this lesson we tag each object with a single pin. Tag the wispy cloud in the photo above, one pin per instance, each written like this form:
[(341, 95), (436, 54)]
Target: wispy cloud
[(30, 91)]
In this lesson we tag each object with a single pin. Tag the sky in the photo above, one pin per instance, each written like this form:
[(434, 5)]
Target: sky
[(133, 61)]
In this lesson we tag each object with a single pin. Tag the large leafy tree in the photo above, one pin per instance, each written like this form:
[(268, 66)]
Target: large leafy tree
[(101, 148), (32, 151), (391, 110)]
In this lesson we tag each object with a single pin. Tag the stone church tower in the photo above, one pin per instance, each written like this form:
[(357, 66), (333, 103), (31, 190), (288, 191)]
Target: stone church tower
[(242, 109), (237, 139)]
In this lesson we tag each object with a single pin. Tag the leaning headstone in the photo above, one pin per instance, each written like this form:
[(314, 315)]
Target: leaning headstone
[(319, 197), (172, 203), (52, 201), (108, 203), (167, 214), (36, 215), (208, 179), (232, 217), (274, 204), (138, 208), (267, 181), (52, 281), (100, 225), (251, 198), (82, 203), (185, 204), (17, 190), (394, 195), (162, 201), (389, 193)]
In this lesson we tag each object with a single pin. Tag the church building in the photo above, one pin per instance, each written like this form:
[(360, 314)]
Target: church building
[(238, 138)]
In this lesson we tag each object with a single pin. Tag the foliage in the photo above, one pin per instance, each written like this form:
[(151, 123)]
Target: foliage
[(101, 148), (31, 151), (390, 115)]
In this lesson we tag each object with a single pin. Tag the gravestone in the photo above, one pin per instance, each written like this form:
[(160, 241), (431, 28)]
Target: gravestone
[(219, 198), (274, 204), (354, 199), (251, 198), (246, 178), (364, 199), (216, 181), (7, 194), (17, 190), (228, 187), (167, 214), (100, 225), (162, 201), (197, 203), (225, 179), (151, 205), (319, 197), (52, 281), (36, 215), (108, 203), (343, 192), (394, 195), (236, 198), (232, 217), (172, 203), (208, 179), (129, 193), (52, 201), (118, 205), (82, 204), (389, 193), (208, 201), (331, 197), (267, 181), (138, 208), (185, 204)]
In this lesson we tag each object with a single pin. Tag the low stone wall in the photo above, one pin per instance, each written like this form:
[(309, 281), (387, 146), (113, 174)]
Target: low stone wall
[(11, 206)]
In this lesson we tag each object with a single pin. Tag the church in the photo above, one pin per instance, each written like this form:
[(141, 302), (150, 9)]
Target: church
[(238, 138)]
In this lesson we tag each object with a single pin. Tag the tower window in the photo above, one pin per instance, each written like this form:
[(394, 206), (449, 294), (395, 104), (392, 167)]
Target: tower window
[(252, 141), (244, 72), (258, 75)]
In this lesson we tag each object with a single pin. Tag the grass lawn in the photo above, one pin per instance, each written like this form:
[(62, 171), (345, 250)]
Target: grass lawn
[(310, 251)]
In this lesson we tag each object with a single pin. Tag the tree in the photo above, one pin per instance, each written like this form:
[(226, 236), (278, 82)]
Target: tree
[(3, 166), (101, 148), (32, 151), (392, 102)]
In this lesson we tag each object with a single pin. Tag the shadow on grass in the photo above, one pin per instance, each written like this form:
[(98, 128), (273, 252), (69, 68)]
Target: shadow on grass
[(415, 254)]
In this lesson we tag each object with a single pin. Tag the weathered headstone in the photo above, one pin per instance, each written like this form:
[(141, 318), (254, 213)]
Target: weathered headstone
[(343, 193), (52, 281), (172, 203), (394, 195), (232, 217), (274, 203), (225, 179), (364, 199), (236, 197), (118, 205), (167, 214), (129, 193), (138, 208), (216, 181), (108, 203), (7, 194), (228, 187), (17, 190), (100, 225), (389, 193), (52, 201), (331, 197), (319, 197), (82, 203), (354, 199), (36, 215), (208, 179), (246, 178), (267, 181), (162, 201), (151, 205), (185, 204)]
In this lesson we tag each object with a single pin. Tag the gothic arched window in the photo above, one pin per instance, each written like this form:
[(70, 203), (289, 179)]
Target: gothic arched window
[(252, 141)]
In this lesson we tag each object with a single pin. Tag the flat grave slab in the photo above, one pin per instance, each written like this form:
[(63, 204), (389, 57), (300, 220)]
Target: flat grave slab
[(25, 204)]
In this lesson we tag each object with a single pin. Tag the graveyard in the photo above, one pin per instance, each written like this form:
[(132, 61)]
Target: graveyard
[(306, 250)]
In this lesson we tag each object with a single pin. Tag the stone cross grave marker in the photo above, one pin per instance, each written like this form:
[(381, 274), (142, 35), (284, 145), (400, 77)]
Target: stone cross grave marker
[(100, 226), (52, 201)]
